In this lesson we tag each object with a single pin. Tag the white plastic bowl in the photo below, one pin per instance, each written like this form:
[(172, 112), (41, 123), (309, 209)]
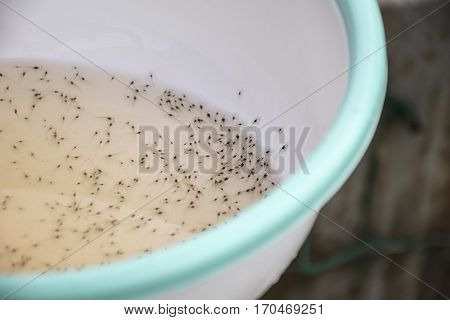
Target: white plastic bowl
[(325, 57)]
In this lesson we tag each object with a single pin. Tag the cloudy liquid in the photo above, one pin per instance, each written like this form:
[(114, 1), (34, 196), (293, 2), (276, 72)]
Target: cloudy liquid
[(75, 189)]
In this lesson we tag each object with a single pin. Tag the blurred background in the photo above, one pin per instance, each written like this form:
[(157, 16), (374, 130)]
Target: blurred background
[(398, 199)]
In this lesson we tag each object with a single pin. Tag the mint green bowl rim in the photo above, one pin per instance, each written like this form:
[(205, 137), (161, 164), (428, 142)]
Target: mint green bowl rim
[(330, 165)]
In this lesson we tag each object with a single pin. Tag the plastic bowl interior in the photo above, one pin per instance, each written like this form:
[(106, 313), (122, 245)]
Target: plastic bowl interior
[(327, 55)]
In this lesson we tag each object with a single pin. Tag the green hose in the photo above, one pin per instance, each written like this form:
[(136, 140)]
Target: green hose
[(359, 250)]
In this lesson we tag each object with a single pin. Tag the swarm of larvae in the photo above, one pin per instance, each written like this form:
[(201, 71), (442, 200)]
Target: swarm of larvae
[(84, 181)]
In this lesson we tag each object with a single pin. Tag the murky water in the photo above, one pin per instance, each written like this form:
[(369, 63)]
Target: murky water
[(75, 189)]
